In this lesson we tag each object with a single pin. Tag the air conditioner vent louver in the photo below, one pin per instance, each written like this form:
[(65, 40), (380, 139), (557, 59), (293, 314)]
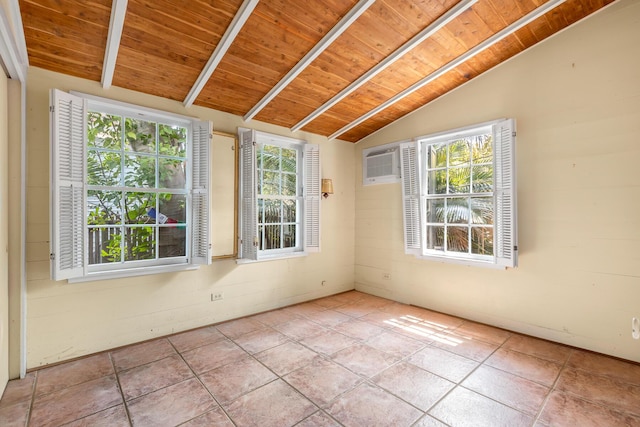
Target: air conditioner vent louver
[(380, 165)]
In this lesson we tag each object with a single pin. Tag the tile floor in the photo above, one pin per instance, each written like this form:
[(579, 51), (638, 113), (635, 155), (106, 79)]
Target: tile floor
[(347, 360)]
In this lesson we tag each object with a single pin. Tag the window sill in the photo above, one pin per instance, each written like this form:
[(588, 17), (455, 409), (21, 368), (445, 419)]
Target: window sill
[(462, 261), (141, 271), (271, 258)]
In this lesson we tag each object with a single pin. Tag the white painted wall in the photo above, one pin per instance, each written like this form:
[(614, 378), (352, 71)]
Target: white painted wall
[(576, 99), (4, 233), (70, 320)]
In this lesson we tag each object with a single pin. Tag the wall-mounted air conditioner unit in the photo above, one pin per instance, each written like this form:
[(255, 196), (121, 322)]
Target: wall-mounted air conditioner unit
[(381, 164)]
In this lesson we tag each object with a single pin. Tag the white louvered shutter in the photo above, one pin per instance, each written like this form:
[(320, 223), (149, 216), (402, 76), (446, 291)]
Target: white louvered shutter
[(312, 187), (248, 216), (410, 198), (505, 193), (68, 129), (200, 226)]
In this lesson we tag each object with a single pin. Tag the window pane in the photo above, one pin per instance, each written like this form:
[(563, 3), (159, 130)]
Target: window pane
[(104, 168), (482, 240), (104, 131), (459, 153), (140, 136), (482, 179), (173, 173), (435, 210), (437, 182), (289, 210), (174, 207), (437, 156), (458, 211), (435, 237), (459, 180), (271, 157), (139, 243), (140, 171), (288, 184), (481, 210), (289, 160), (272, 211), (138, 207), (289, 236), (172, 242), (270, 183), (271, 237), (458, 239), (103, 207), (482, 149), (172, 140), (104, 245)]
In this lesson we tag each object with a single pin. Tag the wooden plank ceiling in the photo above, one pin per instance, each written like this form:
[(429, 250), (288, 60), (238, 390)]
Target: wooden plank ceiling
[(166, 44)]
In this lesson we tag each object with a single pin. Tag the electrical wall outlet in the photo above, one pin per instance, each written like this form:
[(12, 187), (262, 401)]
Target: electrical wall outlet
[(217, 296), (635, 328)]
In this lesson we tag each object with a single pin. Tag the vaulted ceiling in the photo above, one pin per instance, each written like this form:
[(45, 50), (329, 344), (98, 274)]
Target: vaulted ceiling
[(339, 68)]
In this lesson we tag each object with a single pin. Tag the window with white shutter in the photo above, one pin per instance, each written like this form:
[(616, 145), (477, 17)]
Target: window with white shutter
[(459, 195), (279, 196), (130, 189)]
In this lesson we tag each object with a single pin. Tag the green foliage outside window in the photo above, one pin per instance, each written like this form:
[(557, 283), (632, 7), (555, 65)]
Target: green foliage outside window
[(459, 203), (128, 161)]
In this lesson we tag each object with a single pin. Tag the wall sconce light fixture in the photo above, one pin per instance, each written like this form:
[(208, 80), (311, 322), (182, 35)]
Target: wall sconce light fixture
[(327, 188)]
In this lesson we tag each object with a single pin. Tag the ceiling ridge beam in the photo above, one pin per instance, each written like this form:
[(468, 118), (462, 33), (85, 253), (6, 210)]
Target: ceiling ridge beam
[(240, 18), (536, 13), (116, 24), (320, 47), (427, 32)]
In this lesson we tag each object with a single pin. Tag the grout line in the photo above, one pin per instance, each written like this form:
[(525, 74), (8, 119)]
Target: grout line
[(124, 401)]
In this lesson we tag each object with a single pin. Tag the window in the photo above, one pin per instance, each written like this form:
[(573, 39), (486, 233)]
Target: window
[(129, 189), (459, 195), (280, 196)]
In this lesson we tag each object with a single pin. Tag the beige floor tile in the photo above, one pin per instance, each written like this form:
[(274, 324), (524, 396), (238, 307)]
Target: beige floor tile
[(287, 357), (565, 410), (443, 363), (153, 376), (68, 374), (196, 338), (370, 406), (322, 381), (276, 404), (75, 402), (525, 366), (140, 354), (511, 390), (420, 388), (231, 381), (211, 356), (465, 408), (172, 405)]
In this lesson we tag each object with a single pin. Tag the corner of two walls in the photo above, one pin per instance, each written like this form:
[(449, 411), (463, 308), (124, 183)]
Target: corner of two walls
[(575, 99), (71, 320)]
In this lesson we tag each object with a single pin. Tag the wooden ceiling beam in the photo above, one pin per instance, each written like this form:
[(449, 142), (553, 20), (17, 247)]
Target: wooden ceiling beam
[(393, 57), (116, 24), (324, 43), (241, 17), (533, 15)]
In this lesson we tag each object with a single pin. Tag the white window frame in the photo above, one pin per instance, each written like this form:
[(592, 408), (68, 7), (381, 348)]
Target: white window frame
[(69, 188), (308, 195), (414, 189)]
